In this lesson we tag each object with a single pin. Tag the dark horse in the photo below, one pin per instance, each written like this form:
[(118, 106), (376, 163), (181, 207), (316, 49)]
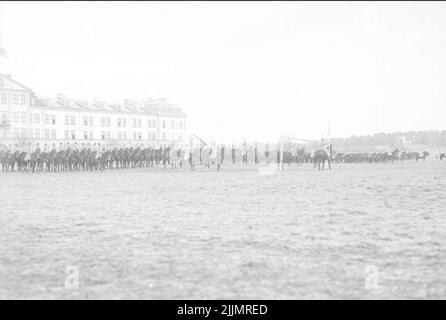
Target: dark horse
[(424, 156), (320, 156)]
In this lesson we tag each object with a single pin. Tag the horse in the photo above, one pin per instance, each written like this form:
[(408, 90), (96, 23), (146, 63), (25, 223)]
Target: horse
[(395, 155), (3, 154), (320, 156), (424, 156), (34, 160)]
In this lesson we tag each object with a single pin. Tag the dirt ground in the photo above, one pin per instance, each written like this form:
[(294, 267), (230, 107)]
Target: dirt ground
[(358, 231)]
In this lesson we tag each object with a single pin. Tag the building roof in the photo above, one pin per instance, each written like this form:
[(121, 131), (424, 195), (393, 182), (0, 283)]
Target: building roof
[(8, 83), (150, 106)]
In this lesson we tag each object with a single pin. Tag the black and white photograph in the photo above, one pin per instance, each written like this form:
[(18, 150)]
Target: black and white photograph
[(193, 150)]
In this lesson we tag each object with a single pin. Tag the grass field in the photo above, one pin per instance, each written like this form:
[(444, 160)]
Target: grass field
[(358, 231)]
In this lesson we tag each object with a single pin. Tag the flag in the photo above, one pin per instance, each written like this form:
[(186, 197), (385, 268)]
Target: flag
[(3, 53)]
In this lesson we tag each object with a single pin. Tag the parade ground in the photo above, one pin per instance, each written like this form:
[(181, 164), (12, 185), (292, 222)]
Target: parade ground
[(358, 231)]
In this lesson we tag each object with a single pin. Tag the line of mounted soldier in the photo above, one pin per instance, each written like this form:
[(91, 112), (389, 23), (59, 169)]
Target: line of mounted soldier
[(379, 157), (176, 158)]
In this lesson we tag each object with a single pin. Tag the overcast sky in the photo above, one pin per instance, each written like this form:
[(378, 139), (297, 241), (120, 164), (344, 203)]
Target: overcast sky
[(252, 69)]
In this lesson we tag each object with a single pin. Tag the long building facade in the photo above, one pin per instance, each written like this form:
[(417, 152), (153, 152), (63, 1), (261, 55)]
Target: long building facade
[(27, 121)]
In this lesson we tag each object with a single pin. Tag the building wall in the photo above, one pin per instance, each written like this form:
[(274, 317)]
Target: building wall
[(14, 109)]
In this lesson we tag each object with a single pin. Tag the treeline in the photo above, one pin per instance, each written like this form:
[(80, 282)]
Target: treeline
[(428, 138)]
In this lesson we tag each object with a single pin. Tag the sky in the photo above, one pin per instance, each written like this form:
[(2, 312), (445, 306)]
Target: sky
[(242, 70)]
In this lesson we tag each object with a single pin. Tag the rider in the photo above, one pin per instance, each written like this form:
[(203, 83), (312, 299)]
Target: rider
[(323, 145)]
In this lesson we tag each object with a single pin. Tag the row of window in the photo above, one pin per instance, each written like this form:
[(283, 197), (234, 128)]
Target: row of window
[(16, 116), (21, 117), (136, 123), (71, 134), (16, 99), (32, 133), (87, 121)]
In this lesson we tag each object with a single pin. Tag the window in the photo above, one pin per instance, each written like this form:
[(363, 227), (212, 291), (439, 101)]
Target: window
[(67, 134), (164, 124), (85, 135), (66, 120), (4, 98), (73, 120), (172, 124), (124, 135), (139, 136), (15, 132), (134, 123), (53, 134), (88, 121), (90, 134), (105, 122), (149, 123), (103, 135), (2, 116), (15, 99), (47, 134), (180, 124), (119, 135), (53, 119), (154, 136), (37, 133), (23, 116), (124, 122), (22, 99), (164, 136), (23, 132), (47, 119), (119, 122), (73, 134), (108, 135), (134, 135), (15, 117), (139, 123), (30, 133)]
